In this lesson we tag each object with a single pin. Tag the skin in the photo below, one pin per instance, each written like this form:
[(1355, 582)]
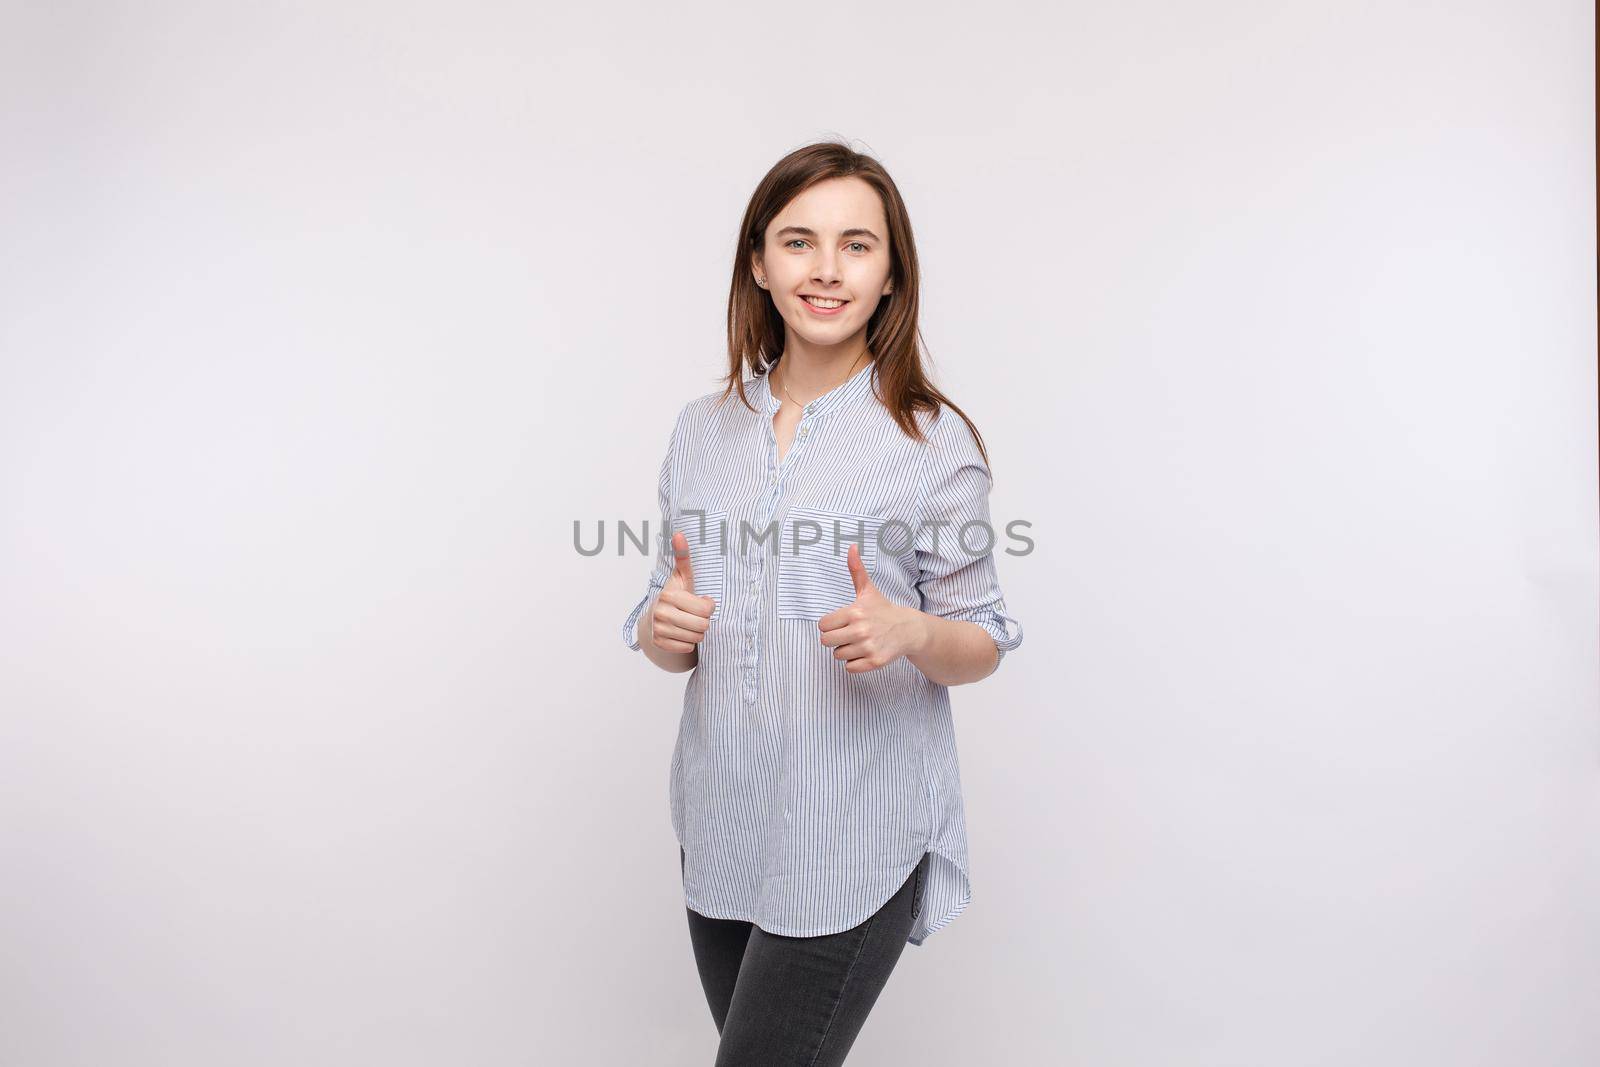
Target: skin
[(813, 247), (671, 631)]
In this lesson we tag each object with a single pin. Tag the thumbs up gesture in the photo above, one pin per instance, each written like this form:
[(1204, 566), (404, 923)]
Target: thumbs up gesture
[(679, 619), (871, 631)]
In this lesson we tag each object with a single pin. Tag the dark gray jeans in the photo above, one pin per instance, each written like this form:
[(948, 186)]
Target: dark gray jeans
[(781, 1000)]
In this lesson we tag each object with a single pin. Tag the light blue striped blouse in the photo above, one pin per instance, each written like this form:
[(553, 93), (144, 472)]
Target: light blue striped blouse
[(802, 794)]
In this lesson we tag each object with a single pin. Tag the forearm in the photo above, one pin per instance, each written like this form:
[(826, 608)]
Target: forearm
[(676, 662), (952, 651)]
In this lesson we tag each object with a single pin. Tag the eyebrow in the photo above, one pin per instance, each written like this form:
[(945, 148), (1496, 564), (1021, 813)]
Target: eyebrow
[(806, 231)]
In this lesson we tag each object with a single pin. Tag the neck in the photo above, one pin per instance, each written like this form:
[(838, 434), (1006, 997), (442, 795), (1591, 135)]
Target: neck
[(808, 373)]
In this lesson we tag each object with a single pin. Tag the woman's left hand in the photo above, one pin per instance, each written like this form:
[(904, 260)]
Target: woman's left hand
[(871, 631)]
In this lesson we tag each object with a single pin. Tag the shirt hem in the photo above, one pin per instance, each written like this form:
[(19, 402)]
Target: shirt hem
[(963, 899)]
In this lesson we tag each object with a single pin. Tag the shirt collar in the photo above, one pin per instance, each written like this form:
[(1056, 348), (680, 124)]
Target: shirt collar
[(850, 389)]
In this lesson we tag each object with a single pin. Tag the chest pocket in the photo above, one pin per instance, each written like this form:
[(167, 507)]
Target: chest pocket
[(814, 561), (707, 558)]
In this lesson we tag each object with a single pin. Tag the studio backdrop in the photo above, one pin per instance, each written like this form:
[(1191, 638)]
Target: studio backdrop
[(330, 332)]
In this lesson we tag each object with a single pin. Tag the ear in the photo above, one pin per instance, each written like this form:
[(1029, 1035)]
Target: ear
[(757, 269)]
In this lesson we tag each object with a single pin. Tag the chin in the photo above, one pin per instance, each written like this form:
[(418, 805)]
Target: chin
[(823, 338)]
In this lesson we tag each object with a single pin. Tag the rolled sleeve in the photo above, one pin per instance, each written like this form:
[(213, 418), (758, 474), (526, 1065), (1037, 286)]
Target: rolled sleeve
[(662, 539), (955, 539)]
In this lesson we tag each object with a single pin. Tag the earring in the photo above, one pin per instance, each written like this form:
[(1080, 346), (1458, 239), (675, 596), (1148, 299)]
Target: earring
[(761, 282)]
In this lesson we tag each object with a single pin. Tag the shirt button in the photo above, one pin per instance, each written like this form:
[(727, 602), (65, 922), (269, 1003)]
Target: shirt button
[(804, 430)]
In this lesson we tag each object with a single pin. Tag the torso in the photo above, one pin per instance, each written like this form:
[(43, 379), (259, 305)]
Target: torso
[(780, 750), (784, 424)]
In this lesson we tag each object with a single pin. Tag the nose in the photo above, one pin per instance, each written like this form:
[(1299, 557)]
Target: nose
[(826, 270)]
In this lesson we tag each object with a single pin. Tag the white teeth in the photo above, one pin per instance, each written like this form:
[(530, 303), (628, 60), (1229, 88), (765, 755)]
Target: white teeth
[(819, 302)]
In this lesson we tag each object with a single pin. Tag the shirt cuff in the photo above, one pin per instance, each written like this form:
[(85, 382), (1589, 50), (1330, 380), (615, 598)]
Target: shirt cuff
[(1005, 630), (629, 637)]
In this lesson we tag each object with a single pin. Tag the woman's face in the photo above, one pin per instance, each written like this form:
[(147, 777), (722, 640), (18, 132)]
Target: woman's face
[(830, 242)]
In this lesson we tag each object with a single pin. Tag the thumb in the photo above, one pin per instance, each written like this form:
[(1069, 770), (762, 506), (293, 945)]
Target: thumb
[(858, 570), (682, 569)]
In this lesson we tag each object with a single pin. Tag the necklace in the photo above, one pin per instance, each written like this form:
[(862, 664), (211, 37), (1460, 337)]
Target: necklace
[(785, 387)]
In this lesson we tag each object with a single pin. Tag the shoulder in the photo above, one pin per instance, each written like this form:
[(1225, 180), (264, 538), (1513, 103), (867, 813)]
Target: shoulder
[(950, 449), (944, 430), (707, 402), (712, 412)]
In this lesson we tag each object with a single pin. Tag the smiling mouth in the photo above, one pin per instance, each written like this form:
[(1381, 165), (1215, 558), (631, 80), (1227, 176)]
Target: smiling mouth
[(824, 304)]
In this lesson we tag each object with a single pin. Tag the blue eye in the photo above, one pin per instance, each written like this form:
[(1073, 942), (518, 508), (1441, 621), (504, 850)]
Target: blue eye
[(801, 240)]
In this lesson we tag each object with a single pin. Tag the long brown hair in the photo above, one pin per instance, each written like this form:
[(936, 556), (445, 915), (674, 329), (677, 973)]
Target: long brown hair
[(755, 329)]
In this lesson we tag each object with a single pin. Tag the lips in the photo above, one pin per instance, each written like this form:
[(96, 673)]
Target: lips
[(825, 310)]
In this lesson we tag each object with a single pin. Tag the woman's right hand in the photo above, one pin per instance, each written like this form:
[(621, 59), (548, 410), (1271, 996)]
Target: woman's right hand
[(679, 619)]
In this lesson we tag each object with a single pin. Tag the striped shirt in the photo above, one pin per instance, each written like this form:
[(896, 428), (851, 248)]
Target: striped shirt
[(801, 794)]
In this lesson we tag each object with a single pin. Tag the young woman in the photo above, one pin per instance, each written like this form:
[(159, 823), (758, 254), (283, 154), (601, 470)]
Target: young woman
[(830, 574)]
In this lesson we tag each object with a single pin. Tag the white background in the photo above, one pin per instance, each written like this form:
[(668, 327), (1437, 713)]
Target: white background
[(322, 323)]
